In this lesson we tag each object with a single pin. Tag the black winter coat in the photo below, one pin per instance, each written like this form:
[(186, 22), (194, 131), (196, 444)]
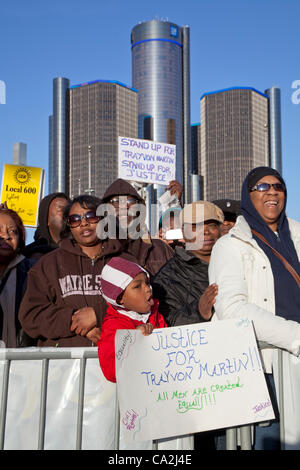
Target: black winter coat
[(178, 286), (22, 268)]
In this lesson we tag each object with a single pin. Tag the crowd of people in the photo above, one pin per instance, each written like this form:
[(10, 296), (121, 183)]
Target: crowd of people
[(90, 272)]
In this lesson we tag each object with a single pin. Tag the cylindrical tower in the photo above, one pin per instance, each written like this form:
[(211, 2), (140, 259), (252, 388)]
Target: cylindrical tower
[(60, 87), (160, 73), (275, 128), (51, 168)]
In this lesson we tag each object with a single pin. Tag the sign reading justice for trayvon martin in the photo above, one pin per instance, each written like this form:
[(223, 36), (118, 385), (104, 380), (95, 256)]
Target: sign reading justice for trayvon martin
[(146, 161), (189, 379)]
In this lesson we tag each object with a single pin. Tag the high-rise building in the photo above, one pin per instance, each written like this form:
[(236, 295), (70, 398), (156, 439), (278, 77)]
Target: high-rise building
[(275, 128), (234, 139), (19, 153), (161, 74), (58, 124), (99, 112)]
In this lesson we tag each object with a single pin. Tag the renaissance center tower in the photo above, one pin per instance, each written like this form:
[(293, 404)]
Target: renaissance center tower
[(161, 74)]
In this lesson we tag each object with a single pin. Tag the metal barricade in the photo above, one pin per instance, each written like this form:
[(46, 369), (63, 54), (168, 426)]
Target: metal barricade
[(44, 356), (8, 356), (240, 437)]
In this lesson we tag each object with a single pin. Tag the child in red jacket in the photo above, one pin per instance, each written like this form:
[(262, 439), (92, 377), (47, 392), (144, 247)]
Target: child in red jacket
[(126, 288)]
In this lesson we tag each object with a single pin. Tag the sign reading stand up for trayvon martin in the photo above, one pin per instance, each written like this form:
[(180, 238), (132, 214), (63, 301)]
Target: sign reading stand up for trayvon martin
[(146, 161), (22, 188), (189, 379)]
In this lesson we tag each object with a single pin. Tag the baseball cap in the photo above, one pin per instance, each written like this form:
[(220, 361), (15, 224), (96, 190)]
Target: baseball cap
[(201, 211), (229, 206)]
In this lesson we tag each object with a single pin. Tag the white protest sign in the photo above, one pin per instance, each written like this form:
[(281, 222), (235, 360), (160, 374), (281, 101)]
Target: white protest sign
[(146, 161), (189, 379)]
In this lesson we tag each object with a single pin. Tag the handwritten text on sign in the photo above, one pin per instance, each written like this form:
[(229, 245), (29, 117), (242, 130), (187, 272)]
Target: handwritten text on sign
[(189, 379), (146, 161), (22, 188)]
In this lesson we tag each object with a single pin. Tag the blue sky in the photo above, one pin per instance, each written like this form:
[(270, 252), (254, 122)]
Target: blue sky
[(233, 43)]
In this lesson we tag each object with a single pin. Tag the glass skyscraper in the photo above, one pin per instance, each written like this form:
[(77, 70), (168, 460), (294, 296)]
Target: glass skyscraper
[(161, 74), (234, 139), (83, 134), (99, 112)]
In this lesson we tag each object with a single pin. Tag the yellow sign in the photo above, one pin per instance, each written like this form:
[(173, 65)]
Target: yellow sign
[(22, 188)]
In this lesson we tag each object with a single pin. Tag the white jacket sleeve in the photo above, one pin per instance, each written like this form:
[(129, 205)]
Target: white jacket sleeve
[(234, 300)]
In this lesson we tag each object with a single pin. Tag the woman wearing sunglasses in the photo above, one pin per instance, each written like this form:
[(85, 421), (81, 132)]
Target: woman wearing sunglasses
[(62, 306), (255, 282)]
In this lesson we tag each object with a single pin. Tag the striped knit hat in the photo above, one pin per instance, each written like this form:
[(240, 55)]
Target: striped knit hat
[(116, 275)]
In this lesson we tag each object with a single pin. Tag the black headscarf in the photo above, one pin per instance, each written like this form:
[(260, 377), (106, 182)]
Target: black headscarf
[(287, 292)]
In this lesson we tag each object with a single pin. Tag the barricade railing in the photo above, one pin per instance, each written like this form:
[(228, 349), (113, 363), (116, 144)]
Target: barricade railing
[(240, 437), (44, 355)]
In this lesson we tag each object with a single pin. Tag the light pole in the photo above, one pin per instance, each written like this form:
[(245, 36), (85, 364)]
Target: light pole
[(90, 190), (266, 144)]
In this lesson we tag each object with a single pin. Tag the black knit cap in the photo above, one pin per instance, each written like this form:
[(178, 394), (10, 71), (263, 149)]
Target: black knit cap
[(259, 173)]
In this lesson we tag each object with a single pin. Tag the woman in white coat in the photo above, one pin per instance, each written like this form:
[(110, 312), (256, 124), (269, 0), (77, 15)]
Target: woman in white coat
[(252, 280)]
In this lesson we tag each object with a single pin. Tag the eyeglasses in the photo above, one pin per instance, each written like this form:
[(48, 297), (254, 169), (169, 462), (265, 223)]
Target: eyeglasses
[(261, 187), (123, 200), (74, 220)]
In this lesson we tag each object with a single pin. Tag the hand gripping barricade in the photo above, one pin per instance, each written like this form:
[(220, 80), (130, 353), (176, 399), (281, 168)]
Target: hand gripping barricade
[(57, 398)]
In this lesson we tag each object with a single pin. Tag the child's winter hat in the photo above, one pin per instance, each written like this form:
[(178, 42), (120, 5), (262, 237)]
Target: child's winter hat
[(116, 275)]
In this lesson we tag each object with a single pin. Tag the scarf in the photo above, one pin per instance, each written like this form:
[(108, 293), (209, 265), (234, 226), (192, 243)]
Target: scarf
[(287, 292)]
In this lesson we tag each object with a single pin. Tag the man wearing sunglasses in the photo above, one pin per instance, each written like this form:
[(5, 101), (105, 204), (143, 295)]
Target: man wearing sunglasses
[(128, 213)]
